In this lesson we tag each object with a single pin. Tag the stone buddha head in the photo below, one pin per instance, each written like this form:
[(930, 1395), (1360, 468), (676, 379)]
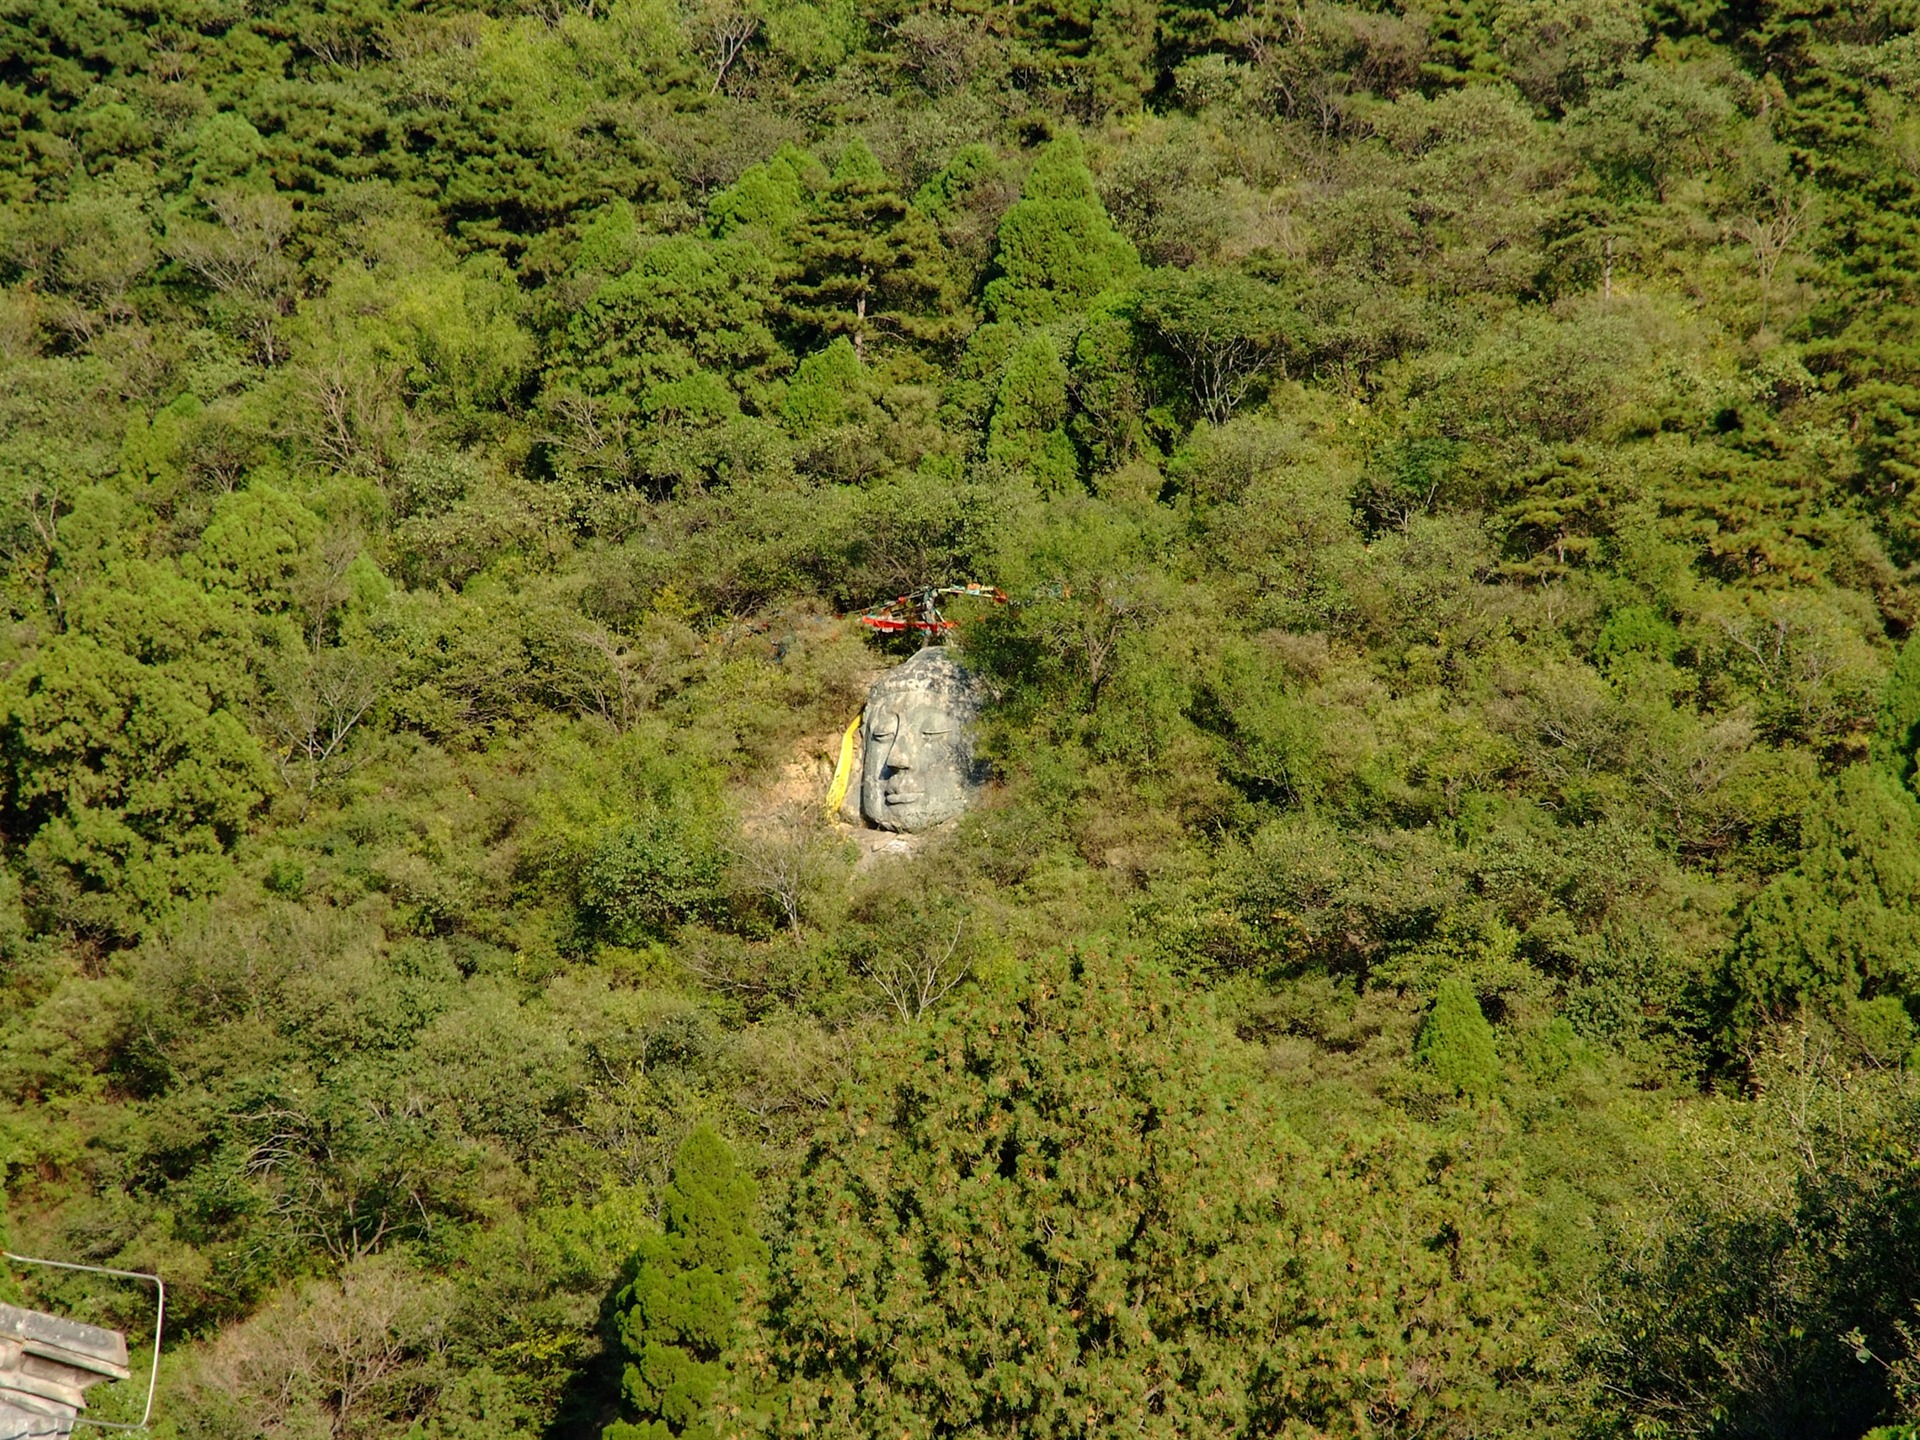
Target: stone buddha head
[(917, 767)]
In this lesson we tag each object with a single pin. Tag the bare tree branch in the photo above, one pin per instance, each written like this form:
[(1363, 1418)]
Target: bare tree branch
[(914, 980), (318, 702)]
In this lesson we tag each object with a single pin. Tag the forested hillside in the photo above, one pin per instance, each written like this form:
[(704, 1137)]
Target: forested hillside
[(1440, 951)]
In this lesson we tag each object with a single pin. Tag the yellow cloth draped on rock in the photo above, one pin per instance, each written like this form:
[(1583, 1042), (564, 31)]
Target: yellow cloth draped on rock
[(843, 772)]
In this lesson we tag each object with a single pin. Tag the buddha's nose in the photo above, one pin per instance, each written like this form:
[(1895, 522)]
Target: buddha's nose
[(903, 752)]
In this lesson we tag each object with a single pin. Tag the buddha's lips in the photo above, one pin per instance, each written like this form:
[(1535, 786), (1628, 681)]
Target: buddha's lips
[(903, 797)]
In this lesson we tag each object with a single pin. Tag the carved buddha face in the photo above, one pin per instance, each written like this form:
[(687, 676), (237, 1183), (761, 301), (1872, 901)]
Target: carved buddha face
[(918, 770)]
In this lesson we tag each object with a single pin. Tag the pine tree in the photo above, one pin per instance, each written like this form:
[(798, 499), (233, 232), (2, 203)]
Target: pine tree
[(1101, 51), (1865, 344), (868, 264), (1750, 500), (1062, 1209), (1462, 50), (1058, 248), (680, 1314), (688, 304), (1456, 1043), (1555, 521)]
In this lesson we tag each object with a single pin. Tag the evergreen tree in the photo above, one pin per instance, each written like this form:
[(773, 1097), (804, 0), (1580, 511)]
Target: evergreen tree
[(1100, 51), (869, 265), (680, 1313), (1865, 343), (1185, 29), (1063, 1209), (828, 387), (1556, 520), (1028, 432), (769, 200), (687, 304), (1058, 248), (1462, 50), (609, 243), (1113, 383), (1840, 927), (1751, 505), (1456, 1043)]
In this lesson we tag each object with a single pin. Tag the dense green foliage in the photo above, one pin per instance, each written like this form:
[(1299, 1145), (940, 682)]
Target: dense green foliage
[(1072, 1208), (1436, 955), (681, 1310), (1457, 1045)]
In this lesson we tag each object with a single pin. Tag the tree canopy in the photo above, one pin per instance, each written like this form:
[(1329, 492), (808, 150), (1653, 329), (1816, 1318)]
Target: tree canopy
[(1432, 949)]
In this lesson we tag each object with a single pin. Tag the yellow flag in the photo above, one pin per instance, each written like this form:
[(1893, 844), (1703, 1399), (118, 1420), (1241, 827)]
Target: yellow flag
[(843, 772)]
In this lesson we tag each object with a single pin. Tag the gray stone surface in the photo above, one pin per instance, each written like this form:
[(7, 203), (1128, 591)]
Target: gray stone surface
[(917, 766), (46, 1364)]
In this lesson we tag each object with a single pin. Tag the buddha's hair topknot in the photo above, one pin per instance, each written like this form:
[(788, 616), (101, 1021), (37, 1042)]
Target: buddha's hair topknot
[(933, 671)]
